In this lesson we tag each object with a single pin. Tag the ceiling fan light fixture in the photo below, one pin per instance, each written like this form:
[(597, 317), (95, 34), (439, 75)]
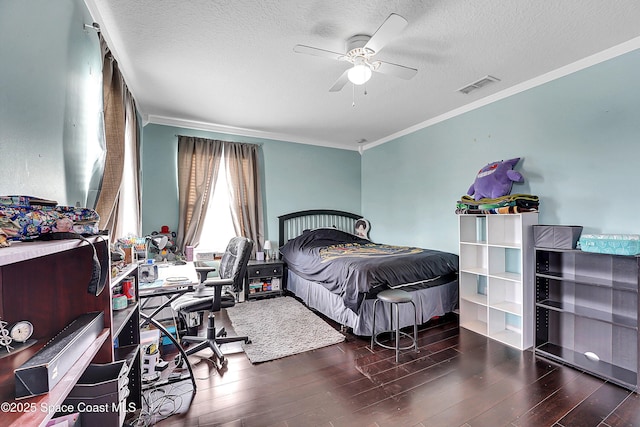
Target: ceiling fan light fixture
[(359, 74)]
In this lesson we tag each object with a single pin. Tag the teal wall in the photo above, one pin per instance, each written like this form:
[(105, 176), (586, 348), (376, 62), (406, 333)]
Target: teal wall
[(579, 137), (579, 140), (295, 177), (50, 99)]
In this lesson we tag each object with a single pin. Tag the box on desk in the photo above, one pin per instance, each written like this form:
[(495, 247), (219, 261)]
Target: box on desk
[(207, 256)]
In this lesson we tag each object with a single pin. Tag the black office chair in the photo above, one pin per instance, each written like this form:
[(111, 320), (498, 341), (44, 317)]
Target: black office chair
[(232, 270)]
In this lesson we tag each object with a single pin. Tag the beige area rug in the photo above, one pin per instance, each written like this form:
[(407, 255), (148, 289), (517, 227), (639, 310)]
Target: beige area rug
[(280, 327)]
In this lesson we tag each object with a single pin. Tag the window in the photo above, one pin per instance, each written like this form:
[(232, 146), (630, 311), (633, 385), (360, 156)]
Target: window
[(118, 202), (128, 223), (217, 227), (237, 192)]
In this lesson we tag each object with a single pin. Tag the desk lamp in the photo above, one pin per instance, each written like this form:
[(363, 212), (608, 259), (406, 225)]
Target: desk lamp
[(267, 249), (158, 241)]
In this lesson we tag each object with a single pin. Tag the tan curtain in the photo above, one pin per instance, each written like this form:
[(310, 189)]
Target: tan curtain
[(128, 218), (119, 122), (245, 191), (198, 165)]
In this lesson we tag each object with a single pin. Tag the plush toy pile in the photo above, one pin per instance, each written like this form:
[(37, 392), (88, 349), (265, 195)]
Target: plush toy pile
[(495, 180), (169, 250), (490, 192)]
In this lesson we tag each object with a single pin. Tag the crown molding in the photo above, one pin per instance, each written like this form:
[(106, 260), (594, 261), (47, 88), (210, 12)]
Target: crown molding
[(594, 59), (213, 127)]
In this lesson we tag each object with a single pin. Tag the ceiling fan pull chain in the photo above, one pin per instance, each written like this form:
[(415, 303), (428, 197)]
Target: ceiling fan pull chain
[(353, 95)]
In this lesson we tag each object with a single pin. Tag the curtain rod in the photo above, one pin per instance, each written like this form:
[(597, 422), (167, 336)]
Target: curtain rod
[(259, 144)]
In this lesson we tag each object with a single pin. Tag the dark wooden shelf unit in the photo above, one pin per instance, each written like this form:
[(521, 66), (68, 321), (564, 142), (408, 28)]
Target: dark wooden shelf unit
[(587, 312), (46, 284), (126, 336)]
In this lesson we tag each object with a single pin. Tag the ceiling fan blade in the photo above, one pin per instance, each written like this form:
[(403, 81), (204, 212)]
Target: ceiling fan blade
[(339, 84), (389, 29), (395, 70), (308, 50)]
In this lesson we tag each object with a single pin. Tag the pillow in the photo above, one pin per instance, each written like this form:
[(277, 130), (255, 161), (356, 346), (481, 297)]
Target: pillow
[(495, 180), (318, 238), (361, 228)]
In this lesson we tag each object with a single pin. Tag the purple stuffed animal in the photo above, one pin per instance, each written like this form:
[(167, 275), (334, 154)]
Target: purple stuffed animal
[(495, 180)]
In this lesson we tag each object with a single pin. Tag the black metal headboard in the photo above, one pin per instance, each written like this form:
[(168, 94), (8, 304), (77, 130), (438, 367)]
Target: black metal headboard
[(293, 224)]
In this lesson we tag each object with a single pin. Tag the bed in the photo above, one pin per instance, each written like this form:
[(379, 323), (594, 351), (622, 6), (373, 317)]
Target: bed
[(339, 274)]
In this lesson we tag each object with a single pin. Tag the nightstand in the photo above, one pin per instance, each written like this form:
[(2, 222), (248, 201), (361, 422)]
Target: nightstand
[(264, 279)]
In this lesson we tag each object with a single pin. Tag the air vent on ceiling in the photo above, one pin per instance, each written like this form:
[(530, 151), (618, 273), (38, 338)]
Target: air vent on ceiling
[(478, 84)]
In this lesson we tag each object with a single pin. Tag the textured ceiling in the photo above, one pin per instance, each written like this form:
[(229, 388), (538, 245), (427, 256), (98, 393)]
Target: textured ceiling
[(229, 65)]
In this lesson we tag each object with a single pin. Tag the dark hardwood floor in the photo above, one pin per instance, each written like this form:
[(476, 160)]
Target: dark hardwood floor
[(458, 378)]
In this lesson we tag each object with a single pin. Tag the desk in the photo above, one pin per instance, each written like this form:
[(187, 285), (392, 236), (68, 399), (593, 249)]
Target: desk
[(172, 276), (176, 280), (173, 281)]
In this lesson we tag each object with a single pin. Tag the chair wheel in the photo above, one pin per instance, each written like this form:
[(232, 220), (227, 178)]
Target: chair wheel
[(178, 359), (223, 362), (247, 342)]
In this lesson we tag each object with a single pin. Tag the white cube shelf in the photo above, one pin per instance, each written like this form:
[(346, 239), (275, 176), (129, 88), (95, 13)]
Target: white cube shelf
[(474, 258), (506, 295), (496, 276), (473, 288), (473, 316)]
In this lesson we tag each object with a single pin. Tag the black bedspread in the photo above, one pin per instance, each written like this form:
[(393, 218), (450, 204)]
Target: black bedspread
[(348, 265)]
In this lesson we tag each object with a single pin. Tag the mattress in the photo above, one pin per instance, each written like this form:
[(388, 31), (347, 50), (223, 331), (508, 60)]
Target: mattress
[(352, 267), (430, 302)]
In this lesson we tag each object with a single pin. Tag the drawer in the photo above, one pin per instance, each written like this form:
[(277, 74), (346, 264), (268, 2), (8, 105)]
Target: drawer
[(264, 270)]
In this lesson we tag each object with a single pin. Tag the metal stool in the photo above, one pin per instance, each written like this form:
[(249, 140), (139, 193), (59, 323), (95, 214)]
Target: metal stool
[(395, 297)]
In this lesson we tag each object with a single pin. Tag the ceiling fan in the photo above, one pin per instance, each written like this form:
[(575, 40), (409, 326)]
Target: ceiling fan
[(360, 52)]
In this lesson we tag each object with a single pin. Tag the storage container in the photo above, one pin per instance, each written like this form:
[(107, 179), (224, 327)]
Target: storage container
[(556, 236), (101, 394), (172, 331), (98, 380), (615, 244)]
